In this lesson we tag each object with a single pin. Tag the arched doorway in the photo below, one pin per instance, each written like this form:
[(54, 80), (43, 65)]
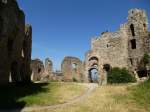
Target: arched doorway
[(93, 75), (142, 72), (106, 67), (93, 72)]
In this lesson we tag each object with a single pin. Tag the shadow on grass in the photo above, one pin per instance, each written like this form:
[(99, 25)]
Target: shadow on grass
[(10, 94)]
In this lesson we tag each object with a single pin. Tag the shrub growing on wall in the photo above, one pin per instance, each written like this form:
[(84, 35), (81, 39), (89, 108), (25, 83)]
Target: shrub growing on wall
[(118, 75), (146, 59)]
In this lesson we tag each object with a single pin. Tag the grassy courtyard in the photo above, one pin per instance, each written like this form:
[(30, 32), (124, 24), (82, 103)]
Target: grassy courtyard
[(114, 98), (110, 98), (19, 96)]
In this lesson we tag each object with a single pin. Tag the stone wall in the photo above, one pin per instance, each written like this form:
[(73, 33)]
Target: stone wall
[(26, 51), (123, 48), (58, 76), (137, 30), (12, 36), (37, 68), (48, 68), (72, 69)]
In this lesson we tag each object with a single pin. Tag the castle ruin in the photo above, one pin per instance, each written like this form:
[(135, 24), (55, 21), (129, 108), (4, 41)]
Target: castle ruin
[(123, 48), (15, 43)]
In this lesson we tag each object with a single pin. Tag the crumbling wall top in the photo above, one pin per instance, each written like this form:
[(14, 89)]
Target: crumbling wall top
[(71, 58), (137, 15), (136, 12)]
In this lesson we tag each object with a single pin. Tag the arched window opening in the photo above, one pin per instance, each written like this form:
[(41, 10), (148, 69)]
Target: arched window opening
[(74, 66), (131, 61), (132, 29), (39, 70), (144, 25), (106, 67)]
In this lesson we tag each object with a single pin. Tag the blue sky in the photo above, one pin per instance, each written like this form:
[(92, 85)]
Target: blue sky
[(65, 27)]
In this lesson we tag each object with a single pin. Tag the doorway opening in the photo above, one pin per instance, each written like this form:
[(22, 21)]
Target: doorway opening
[(93, 75)]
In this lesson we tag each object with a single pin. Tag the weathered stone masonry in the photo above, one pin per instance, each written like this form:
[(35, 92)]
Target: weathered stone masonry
[(48, 68), (15, 44), (123, 48), (38, 69), (72, 69)]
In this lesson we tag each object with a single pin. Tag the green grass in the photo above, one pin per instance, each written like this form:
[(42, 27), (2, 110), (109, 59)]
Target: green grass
[(136, 97), (141, 94), (34, 94), (113, 98)]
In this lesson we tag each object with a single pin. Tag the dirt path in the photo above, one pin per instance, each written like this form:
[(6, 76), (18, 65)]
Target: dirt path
[(90, 89)]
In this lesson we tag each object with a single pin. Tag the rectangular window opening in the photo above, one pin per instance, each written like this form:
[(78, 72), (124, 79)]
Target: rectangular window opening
[(133, 44)]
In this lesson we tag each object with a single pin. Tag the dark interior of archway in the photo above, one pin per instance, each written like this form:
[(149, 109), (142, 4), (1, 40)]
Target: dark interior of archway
[(74, 67), (39, 70), (106, 67), (142, 73), (93, 75), (93, 58)]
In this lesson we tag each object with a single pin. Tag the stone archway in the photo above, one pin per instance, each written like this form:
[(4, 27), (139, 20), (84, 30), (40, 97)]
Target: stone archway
[(93, 75), (93, 71), (106, 67)]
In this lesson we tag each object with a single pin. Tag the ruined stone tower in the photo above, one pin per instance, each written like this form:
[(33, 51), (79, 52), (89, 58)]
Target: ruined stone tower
[(72, 69), (15, 43), (37, 68), (48, 68), (123, 48)]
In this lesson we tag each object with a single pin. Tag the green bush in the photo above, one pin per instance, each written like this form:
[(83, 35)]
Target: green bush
[(117, 75), (146, 59), (74, 79)]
